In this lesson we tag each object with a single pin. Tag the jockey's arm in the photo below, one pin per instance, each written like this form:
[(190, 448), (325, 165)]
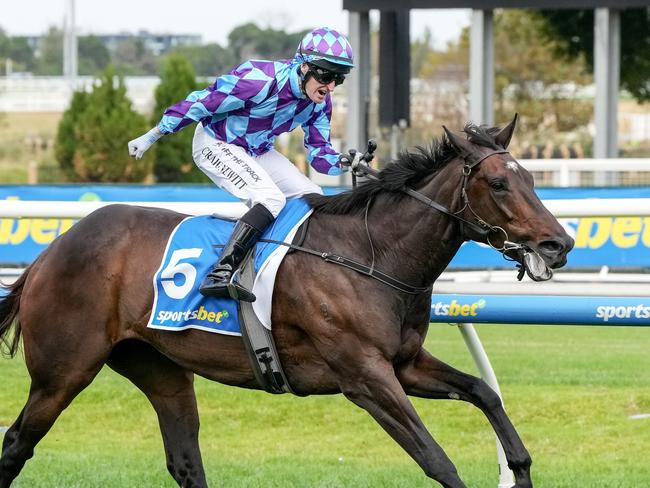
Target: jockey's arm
[(320, 153), (229, 92)]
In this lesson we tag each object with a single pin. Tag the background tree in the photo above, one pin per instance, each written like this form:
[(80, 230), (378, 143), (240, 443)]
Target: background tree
[(420, 51), (104, 123), (249, 41), (50, 60), (132, 57), (16, 49), (173, 153), (93, 55), (208, 60), (65, 145), (548, 100), (573, 34)]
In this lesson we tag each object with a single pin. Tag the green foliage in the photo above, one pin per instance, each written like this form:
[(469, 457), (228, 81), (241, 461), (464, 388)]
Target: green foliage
[(249, 41), (132, 57), (573, 31), (100, 123), (66, 139), (50, 61), (16, 49), (93, 55), (548, 100), (209, 60), (173, 153), (420, 50), (530, 79)]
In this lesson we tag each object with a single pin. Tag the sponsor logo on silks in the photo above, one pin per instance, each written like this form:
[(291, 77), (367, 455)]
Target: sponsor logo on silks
[(455, 309), (201, 314), (607, 312)]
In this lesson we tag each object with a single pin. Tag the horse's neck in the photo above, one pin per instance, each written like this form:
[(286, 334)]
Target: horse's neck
[(414, 241)]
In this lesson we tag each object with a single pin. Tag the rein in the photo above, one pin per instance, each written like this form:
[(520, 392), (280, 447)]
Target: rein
[(365, 270), (481, 227)]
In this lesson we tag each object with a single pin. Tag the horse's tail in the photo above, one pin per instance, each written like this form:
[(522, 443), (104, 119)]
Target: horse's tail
[(9, 306)]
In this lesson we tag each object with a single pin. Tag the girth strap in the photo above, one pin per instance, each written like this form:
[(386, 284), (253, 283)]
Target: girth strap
[(358, 267)]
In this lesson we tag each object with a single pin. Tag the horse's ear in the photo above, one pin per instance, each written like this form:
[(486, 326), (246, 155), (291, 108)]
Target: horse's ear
[(504, 136), (462, 145)]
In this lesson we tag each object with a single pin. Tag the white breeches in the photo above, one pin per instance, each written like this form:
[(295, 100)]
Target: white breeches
[(268, 179)]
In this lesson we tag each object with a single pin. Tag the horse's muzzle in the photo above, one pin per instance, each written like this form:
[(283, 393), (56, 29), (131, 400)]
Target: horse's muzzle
[(554, 251)]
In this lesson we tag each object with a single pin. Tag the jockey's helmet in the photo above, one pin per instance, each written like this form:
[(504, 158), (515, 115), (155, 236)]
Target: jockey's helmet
[(327, 49)]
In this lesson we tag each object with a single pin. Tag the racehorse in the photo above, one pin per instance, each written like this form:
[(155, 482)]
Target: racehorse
[(86, 300)]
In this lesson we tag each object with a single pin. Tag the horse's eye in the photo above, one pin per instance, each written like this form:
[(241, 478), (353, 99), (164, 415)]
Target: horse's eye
[(498, 185)]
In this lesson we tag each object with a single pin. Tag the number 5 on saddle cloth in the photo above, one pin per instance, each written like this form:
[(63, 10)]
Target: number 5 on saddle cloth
[(193, 247)]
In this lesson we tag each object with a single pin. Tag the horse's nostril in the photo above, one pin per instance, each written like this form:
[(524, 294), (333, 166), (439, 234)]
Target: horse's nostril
[(552, 246)]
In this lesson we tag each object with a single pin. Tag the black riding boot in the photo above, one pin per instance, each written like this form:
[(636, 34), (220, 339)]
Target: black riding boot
[(244, 236)]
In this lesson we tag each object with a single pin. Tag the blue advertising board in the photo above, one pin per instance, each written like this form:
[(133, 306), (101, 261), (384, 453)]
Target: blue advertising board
[(553, 310), (622, 242)]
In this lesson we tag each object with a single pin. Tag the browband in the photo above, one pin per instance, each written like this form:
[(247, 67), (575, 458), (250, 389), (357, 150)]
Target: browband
[(500, 151)]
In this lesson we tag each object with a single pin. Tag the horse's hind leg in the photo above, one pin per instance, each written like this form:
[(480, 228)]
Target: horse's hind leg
[(54, 386), (170, 390), (428, 377), (12, 432)]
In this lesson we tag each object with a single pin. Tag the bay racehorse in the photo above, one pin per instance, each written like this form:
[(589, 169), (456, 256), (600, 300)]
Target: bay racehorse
[(86, 300)]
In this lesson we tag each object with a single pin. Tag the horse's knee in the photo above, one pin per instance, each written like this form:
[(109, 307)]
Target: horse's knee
[(485, 395), (520, 464)]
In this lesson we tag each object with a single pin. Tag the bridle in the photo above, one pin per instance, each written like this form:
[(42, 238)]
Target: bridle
[(480, 227)]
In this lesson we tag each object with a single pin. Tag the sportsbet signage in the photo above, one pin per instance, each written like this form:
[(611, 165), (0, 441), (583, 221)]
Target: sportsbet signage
[(22, 240), (612, 241), (508, 309)]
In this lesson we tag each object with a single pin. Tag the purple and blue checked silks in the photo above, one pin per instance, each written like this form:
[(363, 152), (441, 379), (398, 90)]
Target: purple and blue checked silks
[(328, 44), (253, 104)]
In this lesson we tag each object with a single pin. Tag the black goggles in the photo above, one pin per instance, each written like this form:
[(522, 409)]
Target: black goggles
[(326, 77)]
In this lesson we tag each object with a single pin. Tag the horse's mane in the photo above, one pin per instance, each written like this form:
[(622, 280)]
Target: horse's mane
[(408, 169)]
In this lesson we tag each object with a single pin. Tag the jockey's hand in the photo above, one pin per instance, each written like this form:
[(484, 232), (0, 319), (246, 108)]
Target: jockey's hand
[(138, 146), (350, 159)]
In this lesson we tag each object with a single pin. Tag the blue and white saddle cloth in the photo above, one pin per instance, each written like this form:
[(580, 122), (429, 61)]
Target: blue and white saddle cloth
[(189, 256)]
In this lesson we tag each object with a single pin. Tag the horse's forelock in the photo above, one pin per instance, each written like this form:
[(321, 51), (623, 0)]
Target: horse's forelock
[(482, 135)]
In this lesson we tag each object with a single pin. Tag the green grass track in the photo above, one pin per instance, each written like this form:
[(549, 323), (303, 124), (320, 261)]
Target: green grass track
[(570, 391)]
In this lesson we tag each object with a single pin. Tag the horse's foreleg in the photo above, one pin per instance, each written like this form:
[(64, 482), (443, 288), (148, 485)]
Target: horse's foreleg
[(170, 389), (375, 388), (428, 377)]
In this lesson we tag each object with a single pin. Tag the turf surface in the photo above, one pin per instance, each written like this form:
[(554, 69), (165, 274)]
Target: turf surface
[(570, 392)]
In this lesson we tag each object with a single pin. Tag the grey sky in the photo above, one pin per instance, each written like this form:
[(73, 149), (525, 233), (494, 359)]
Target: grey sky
[(213, 20)]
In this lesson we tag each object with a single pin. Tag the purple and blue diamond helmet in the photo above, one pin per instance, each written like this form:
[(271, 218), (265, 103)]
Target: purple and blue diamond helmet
[(327, 49)]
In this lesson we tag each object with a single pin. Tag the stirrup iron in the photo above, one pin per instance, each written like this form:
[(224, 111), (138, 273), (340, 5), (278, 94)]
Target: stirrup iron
[(237, 291)]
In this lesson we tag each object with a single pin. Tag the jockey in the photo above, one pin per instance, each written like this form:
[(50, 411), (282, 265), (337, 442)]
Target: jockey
[(239, 117)]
